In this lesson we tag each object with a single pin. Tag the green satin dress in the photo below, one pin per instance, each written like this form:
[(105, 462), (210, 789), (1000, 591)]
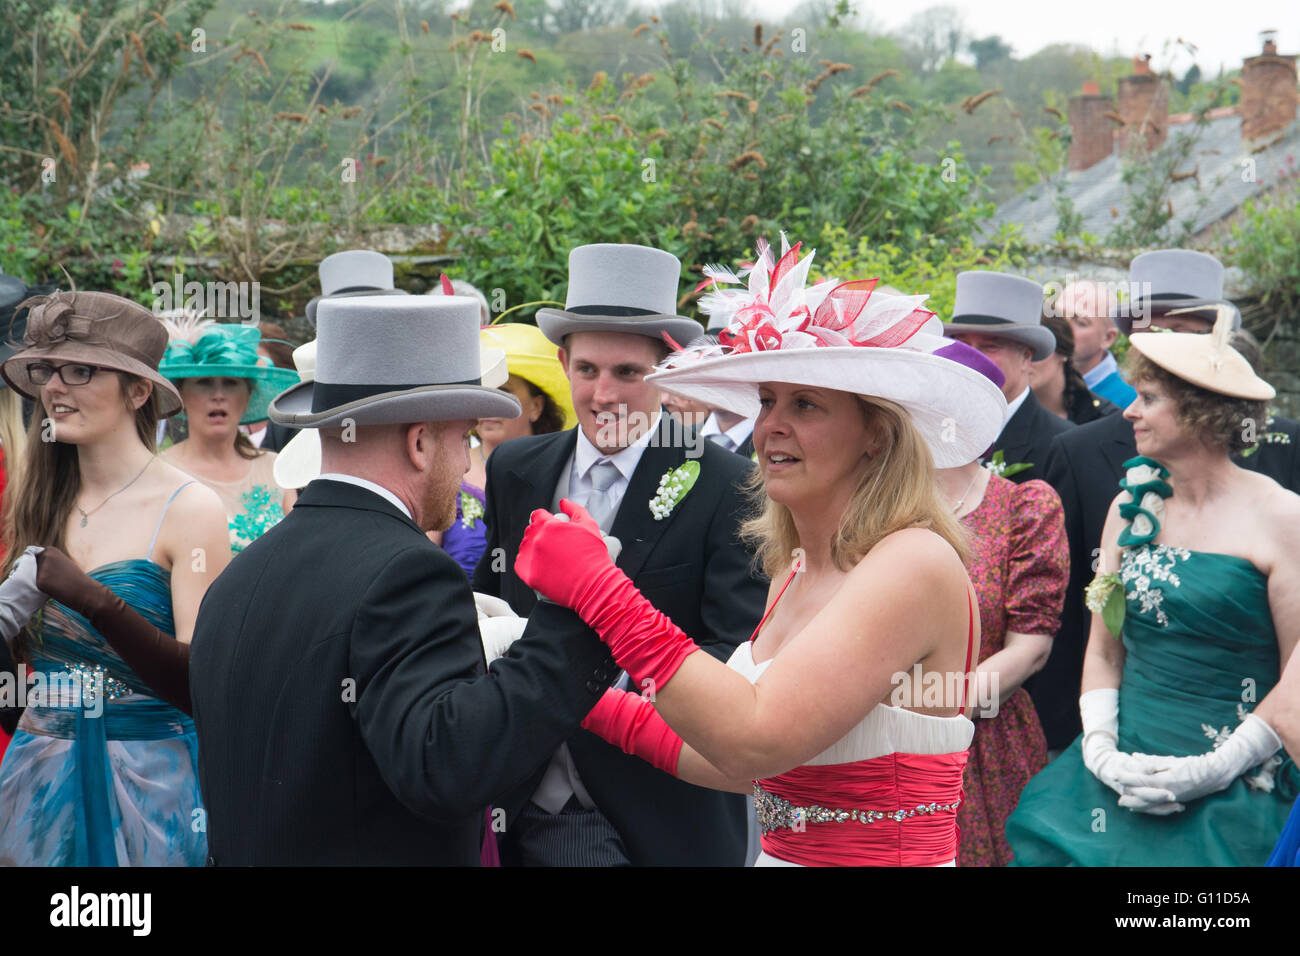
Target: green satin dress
[(1201, 652)]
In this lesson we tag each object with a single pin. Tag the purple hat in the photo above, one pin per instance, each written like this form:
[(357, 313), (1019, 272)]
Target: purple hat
[(973, 358)]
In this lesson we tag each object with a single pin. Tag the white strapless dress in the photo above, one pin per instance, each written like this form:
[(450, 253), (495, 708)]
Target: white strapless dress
[(883, 731)]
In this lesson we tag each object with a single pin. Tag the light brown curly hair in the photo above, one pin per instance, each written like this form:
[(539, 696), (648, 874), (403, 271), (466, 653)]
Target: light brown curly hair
[(1221, 421)]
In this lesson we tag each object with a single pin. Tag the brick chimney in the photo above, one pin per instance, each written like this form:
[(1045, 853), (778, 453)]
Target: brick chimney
[(1144, 105), (1268, 91), (1092, 134)]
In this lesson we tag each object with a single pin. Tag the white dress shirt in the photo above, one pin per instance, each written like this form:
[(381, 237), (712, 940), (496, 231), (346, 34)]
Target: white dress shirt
[(575, 480), (1106, 367), (369, 486), (1013, 406), (737, 433), (561, 780)]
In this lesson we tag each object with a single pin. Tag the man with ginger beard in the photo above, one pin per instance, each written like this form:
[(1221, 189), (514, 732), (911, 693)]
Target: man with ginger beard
[(344, 712)]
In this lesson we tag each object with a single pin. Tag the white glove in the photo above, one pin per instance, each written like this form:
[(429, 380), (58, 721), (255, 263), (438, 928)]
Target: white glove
[(489, 606), (20, 598), (498, 633), (1190, 778), (1099, 711)]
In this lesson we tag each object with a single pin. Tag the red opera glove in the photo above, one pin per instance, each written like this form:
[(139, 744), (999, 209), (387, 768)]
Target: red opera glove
[(631, 723), (567, 561)]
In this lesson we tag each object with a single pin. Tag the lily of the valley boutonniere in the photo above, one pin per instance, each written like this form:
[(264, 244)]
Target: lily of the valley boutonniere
[(673, 487), (998, 466), (470, 510)]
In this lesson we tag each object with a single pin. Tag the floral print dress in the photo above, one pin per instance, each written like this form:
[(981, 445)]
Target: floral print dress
[(1019, 566)]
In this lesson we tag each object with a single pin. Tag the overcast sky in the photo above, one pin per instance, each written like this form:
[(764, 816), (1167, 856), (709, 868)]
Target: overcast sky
[(1225, 33)]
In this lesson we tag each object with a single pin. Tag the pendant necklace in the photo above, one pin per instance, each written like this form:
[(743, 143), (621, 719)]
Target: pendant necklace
[(961, 501), (85, 515)]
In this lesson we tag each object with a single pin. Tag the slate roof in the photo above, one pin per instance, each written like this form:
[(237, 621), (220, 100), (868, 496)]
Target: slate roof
[(1219, 156)]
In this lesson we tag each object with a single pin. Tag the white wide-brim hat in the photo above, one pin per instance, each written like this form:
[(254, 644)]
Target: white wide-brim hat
[(385, 360), (618, 287), (843, 336), (958, 411), (298, 462), (1205, 360)]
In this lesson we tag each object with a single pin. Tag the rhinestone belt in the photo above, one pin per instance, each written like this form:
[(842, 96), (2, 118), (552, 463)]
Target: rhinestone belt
[(88, 677), (775, 812)]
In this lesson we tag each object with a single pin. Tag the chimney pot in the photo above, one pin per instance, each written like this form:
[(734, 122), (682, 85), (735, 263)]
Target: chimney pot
[(1268, 92), (1092, 134), (1144, 106)]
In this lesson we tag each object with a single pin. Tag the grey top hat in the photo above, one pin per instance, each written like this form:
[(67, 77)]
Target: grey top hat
[(1170, 280), (353, 272), (995, 303), (384, 360), (620, 288)]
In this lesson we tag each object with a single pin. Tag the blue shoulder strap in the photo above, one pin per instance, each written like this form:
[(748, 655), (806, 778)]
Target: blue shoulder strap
[(154, 539)]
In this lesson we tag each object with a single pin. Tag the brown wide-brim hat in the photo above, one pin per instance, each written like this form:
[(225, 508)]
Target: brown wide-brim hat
[(96, 328)]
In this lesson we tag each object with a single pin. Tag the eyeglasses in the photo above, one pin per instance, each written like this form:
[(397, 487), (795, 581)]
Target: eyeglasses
[(74, 374)]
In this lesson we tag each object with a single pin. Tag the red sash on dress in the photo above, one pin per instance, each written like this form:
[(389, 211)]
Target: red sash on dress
[(890, 782), (895, 781)]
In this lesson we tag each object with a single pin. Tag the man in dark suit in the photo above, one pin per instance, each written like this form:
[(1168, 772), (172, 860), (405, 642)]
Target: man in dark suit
[(1001, 315), (1086, 464), (343, 710), (593, 804)]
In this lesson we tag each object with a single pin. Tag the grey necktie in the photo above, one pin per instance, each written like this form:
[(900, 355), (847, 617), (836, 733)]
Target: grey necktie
[(723, 439), (600, 503)]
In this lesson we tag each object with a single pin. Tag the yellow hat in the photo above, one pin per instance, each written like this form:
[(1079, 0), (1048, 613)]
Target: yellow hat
[(1205, 360), (530, 355)]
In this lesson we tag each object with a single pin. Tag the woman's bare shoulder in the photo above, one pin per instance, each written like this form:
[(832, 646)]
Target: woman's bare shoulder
[(1277, 507), (193, 498), (910, 554)]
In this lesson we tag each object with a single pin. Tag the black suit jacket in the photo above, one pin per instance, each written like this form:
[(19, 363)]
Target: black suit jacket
[(343, 711), (1085, 466), (1086, 406), (691, 567), (1027, 436)]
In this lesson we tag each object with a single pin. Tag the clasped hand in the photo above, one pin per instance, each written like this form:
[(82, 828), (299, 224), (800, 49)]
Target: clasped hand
[(560, 553), (1175, 781)]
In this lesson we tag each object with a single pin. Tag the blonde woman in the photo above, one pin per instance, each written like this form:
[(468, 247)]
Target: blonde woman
[(855, 405)]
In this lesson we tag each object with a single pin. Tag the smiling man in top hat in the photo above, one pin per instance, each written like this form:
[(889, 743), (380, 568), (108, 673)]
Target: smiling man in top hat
[(592, 804), (1002, 316), (337, 673)]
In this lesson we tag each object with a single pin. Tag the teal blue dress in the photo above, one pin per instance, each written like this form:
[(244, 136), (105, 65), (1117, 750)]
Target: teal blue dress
[(1201, 652), (101, 772)]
